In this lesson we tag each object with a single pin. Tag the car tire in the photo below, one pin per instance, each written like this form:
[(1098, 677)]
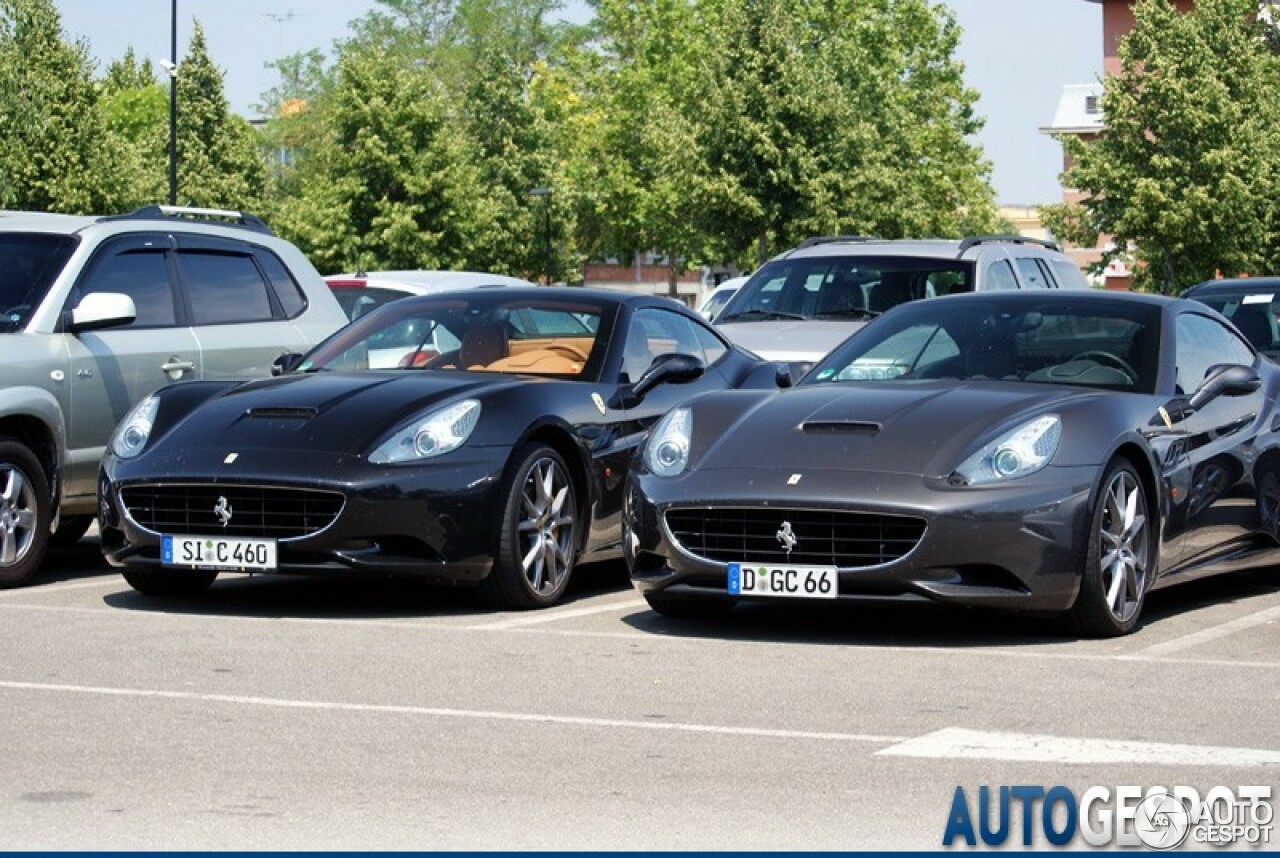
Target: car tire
[(688, 607), (1120, 560), (25, 512), (537, 532), (71, 529), (153, 582)]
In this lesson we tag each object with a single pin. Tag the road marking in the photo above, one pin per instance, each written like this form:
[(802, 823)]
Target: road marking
[(554, 615), (466, 714), (958, 743), (109, 581), (1213, 633)]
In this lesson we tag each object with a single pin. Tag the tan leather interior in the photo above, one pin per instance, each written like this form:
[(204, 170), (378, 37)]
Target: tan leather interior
[(557, 356)]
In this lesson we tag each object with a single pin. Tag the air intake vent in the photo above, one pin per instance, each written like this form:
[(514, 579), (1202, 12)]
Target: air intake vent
[(840, 427), (282, 413)]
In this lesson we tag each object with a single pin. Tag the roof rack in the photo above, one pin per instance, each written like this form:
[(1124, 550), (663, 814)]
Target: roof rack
[(219, 217), (973, 240), (831, 239)]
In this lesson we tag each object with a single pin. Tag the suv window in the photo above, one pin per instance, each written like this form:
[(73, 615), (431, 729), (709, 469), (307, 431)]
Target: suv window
[(1033, 273), (1069, 276), (143, 275), (850, 287), (1000, 276), (288, 292), (29, 263), (223, 288)]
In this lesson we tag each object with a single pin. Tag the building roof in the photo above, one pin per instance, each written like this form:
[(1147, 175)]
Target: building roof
[(1079, 110)]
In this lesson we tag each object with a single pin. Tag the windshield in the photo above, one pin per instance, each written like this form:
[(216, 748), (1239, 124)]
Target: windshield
[(1254, 314), (487, 332), (1107, 344), (843, 287), (29, 263)]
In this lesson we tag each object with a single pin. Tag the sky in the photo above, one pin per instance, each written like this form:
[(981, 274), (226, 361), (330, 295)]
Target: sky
[(1018, 54)]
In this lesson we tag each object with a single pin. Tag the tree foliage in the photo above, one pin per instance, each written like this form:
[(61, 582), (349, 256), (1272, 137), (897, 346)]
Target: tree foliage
[(54, 145), (1185, 174)]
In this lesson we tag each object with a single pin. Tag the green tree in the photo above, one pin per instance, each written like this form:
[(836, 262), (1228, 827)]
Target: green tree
[(1185, 173), (848, 116), (391, 184), (220, 161), (54, 146), (135, 108)]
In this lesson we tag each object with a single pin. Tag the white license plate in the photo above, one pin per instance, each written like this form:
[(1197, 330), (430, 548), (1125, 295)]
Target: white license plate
[(208, 552), (804, 582)]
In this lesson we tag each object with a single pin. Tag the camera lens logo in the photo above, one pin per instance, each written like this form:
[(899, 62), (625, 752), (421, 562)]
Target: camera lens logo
[(1161, 821)]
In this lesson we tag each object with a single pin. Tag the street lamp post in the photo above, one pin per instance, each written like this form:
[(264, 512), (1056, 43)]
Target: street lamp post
[(173, 104), (546, 192)]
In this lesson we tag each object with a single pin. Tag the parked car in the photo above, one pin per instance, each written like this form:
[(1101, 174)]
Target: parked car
[(1252, 305), (800, 304), (362, 291), (96, 312), (1039, 451), (714, 302), (499, 463)]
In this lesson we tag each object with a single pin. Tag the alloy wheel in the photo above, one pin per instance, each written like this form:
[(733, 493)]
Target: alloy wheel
[(17, 515), (1125, 545), (546, 526)]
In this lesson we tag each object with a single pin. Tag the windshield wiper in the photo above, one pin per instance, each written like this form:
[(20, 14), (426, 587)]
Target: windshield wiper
[(761, 314), (852, 312)]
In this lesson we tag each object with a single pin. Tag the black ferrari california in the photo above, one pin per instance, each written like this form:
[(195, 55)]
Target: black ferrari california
[(1059, 453), (492, 449)]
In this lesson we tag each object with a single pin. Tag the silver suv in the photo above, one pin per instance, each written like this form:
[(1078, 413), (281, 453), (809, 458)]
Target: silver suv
[(804, 302), (96, 312)]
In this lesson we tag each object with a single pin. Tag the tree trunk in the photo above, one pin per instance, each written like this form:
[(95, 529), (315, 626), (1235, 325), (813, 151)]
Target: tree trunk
[(671, 276)]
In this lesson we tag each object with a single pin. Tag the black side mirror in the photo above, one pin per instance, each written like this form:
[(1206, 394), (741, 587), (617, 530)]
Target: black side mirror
[(670, 368), (1225, 380), (287, 362)]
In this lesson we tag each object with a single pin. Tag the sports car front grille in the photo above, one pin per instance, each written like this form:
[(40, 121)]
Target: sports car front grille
[(255, 511), (849, 540)]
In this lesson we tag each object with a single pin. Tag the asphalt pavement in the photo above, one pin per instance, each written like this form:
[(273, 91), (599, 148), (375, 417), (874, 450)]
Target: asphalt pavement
[(321, 713)]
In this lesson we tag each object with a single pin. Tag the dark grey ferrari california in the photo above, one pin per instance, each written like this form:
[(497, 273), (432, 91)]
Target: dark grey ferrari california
[(1061, 453), (478, 437)]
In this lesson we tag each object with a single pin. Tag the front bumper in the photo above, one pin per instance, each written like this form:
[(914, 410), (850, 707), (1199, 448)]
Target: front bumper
[(1017, 546), (432, 521)]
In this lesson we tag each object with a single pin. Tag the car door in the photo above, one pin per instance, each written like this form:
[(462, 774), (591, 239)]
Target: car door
[(111, 369), (1220, 508), (236, 315)]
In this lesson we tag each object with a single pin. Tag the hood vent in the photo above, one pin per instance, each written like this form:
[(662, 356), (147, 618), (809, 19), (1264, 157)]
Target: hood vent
[(271, 413), (840, 427)]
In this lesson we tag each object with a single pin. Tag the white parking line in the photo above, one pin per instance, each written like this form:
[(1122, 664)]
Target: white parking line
[(107, 581), (958, 743), (1213, 633), (467, 714), (554, 615)]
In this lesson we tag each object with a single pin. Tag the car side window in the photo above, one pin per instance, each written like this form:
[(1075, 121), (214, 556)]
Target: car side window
[(654, 332), (143, 275), (1069, 276), (713, 348), (1202, 343), (1000, 276), (291, 297), (1033, 273), (224, 288)]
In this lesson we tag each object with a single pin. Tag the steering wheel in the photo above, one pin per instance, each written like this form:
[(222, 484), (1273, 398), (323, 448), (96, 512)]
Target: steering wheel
[(1108, 358), (568, 349), (444, 359)]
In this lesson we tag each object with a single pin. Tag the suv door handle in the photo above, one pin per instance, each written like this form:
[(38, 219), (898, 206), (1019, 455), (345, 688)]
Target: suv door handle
[(176, 366)]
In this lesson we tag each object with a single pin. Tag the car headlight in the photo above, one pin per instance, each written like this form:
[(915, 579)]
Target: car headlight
[(432, 435), (135, 429), (1025, 450), (666, 453)]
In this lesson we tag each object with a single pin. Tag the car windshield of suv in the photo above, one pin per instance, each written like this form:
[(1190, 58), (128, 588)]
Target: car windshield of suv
[(1254, 313), (479, 331), (843, 287), (29, 263), (1087, 343)]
